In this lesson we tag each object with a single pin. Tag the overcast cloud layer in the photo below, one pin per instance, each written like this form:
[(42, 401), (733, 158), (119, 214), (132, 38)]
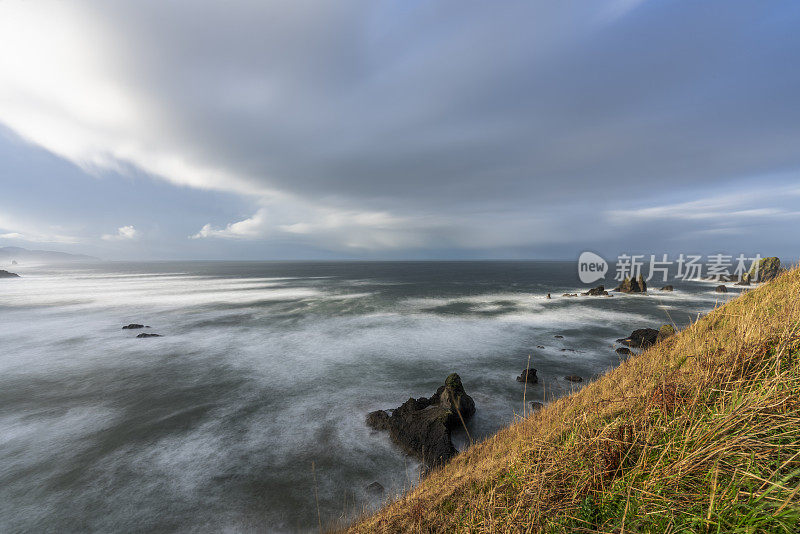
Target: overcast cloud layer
[(400, 129)]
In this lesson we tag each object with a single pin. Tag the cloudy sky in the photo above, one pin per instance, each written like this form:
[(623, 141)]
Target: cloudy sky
[(399, 129)]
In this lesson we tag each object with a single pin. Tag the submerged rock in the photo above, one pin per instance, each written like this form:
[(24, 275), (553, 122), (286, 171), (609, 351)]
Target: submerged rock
[(558, 337), (573, 378), (422, 426), (133, 326), (148, 335), (6, 274), (667, 288), (721, 289), (528, 375), (375, 488)]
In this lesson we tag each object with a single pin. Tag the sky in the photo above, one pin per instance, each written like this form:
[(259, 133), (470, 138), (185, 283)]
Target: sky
[(378, 129)]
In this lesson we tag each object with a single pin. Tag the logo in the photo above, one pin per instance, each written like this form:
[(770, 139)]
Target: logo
[(591, 267)]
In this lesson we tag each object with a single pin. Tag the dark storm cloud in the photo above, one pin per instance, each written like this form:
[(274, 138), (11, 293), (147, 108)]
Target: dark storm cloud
[(462, 124)]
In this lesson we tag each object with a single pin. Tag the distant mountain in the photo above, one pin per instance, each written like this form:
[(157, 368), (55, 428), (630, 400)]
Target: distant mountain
[(22, 255)]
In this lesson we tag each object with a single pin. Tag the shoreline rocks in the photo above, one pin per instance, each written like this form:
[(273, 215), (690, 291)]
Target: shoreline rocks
[(6, 274), (643, 338), (422, 426), (144, 335)]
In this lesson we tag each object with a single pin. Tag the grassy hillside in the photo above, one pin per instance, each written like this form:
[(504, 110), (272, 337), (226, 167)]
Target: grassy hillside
[(701, 433)]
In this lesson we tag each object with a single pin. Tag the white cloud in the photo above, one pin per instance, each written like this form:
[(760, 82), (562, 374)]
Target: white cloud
[(21, 229), (124, 233)]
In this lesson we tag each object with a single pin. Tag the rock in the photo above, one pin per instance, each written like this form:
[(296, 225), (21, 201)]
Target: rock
[(375, 488), (641, 338), (6, 274), (133, 326), (528, 375), (624, 351), (667, 288), (629, 285), (143, 335), (598, 291), (721, 289), (745, 281), (766, 269), (548, 296), (539, 346), (14, 262), (569, 295), (536, 406), (422, 426), (558, 337), (573, 378)]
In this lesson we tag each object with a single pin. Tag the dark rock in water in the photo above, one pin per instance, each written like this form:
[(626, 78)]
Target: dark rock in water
[(133, 326), (569, 295), (573, 378), (148, 335), (598, 291), (548, 295), (641, 338), (667, 288), (539, 346), (528, 375), (375, 488), (629, 285), (766, 269), (536, 406), (721, 289), (624, 351), (6, 274), (14, 262), (422, 426), (558, 337)]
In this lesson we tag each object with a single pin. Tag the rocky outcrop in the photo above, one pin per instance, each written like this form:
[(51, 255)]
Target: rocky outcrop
[(629, 285), (598, 291), (721, 289), (624, 351), (569, 295), (640, 338), (422, 426), (528, 375), (558, 336), (766, 270), (143, 335), (573, 378), (745, 281), (134, 326), (646, 337), (667, 288), (6, 274)]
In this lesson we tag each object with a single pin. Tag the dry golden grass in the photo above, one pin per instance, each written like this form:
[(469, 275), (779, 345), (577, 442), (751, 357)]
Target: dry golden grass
[(701, 433)]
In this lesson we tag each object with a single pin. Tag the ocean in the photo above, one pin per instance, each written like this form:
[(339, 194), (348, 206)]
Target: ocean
[(266, 369)]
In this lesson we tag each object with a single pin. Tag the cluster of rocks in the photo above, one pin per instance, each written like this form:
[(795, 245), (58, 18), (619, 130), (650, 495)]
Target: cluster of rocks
[(6, 274), (630, 285), (599, 291), (137, 326), (422, 426)]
